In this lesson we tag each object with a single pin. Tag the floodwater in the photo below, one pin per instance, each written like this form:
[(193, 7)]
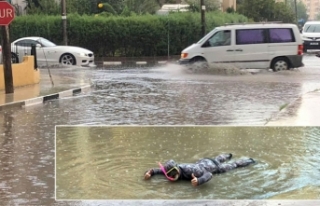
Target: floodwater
[(109, 162)]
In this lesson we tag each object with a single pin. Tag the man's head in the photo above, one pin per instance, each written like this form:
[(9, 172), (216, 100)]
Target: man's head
[(170, 170)]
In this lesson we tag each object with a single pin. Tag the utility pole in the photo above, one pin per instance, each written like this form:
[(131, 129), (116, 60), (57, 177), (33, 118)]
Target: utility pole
[(6, 60), (64, 21), (203, 23), (6, 51)]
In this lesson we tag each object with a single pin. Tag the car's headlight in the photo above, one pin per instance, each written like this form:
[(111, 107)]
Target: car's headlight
[(305, 38), (83, 54)]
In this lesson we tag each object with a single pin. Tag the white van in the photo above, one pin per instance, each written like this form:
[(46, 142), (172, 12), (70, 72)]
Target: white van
[(249, 46)]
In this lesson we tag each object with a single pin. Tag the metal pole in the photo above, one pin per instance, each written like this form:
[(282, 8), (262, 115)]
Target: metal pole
[(203, 8), (168, 38), (64, 21), (296, 8), (6, 60)]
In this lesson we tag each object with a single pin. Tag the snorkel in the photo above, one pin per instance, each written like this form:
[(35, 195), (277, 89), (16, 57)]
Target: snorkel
[(167, 172)]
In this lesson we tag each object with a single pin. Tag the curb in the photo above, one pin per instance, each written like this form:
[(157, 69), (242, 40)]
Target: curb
[(46, 98), (279, 114), (119, 63)]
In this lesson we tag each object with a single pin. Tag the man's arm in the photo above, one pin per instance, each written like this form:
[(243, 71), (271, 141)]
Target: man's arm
[(204, 178), (155, 171)]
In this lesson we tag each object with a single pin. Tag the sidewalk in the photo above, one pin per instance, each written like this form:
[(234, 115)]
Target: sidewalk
[(305, 111), (62, 84)]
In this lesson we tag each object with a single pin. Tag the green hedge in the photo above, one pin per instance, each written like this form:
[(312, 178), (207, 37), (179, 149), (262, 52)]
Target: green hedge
[(145, 35)]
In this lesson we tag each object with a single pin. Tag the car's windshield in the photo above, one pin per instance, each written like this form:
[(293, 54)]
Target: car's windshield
[(46, 42), (206, 36), (312, 28)]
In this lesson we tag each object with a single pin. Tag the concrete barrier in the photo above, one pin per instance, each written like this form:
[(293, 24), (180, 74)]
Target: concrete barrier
[(23, 73), (43, 99), (141, 63), (112, 63)]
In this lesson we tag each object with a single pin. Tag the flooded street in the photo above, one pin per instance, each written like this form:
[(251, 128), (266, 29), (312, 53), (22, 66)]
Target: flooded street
[(160, 96), (91, 160)]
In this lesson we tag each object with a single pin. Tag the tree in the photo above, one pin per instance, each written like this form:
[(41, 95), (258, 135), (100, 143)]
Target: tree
[(33, 4), (142, 6), (283, 13), (301, 9), (266, 10), (48, 7)]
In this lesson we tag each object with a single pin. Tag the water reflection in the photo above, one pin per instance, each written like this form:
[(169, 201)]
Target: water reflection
[(109, 162), (26, 161), (6, 157)]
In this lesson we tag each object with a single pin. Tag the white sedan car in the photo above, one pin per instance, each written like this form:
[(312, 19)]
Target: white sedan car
[(49, 53)]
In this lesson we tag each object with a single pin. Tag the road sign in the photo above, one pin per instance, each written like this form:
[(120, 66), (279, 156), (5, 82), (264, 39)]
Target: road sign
[(6, 13)]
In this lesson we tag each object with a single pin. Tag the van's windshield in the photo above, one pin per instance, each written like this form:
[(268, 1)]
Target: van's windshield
[(201, 41), (312, 28)]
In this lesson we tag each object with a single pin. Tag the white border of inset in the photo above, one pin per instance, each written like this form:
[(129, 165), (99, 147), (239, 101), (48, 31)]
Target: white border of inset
[(191, 202)]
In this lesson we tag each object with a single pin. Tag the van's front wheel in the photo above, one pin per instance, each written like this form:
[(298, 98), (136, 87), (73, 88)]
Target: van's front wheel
[(280, 64), (198, 65)]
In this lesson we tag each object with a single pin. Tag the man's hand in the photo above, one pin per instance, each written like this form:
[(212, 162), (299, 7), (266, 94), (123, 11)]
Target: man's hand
[(147, 175), (194, 180)]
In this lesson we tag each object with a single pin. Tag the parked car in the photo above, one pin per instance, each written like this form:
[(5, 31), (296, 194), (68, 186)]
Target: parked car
[(49, 53), (311, 35), (249, 46)]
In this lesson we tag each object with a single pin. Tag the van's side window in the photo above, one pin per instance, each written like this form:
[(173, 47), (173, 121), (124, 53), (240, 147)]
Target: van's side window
[(250, 36), (281, 35), (221, 38)]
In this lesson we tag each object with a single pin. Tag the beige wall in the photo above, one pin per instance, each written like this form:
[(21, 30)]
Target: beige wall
[(229, 3), (23, 73)]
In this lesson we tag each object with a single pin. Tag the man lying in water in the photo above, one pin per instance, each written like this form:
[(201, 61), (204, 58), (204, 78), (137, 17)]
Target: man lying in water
[(199, 172)]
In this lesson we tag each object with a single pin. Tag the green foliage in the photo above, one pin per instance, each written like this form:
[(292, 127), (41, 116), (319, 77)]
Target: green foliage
[(283, 13), (126, 12), (80, 6), (230, 10), (266, 10), (107, 8), (137, 35)]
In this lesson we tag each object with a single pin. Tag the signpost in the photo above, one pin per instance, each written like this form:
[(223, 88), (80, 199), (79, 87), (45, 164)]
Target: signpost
[(7, 15)]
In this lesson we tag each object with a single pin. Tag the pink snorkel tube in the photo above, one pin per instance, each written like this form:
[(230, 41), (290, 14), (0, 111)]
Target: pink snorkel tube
[(165, 172)]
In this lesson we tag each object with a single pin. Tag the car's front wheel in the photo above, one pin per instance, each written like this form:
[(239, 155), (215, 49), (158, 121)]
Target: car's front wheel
[(198, 65), (67, 59)]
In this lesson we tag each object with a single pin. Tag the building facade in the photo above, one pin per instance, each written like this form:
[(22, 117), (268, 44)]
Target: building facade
[(313, 7), (225, 4)]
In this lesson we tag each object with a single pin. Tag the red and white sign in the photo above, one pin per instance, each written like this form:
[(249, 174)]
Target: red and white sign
[(7, 13)]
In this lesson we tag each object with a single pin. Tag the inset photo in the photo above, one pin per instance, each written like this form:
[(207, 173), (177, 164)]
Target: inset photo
[(187, 162)]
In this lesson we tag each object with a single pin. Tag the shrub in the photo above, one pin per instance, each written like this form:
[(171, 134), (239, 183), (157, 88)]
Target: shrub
[(137, 35)]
